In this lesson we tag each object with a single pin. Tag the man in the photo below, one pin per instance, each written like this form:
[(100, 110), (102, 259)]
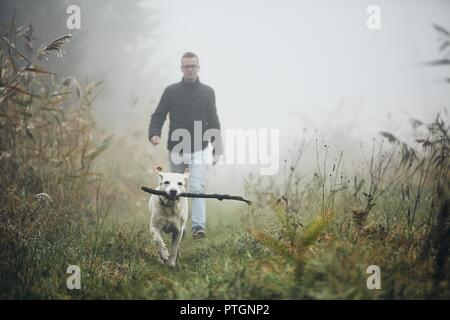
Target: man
[(189, 103)]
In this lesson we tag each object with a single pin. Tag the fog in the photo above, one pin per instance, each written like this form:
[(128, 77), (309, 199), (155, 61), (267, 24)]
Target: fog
[(297, 65), (311, 69), (294, 64)]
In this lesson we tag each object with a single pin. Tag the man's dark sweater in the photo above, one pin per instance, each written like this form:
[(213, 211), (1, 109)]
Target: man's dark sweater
[(187, 102)]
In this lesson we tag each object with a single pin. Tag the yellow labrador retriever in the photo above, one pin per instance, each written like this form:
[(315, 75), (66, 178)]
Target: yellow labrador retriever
[(169, 214)]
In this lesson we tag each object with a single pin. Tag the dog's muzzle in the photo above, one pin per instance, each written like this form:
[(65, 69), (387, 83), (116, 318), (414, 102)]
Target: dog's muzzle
[(172, 194)]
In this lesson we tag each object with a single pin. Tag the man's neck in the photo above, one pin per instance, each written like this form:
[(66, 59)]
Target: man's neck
[(190, 80)]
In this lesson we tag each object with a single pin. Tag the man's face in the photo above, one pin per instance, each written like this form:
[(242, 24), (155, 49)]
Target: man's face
[(190, 68)]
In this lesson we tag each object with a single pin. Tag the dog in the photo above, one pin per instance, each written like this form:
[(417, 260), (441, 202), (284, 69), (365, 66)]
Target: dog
[(169, 214)]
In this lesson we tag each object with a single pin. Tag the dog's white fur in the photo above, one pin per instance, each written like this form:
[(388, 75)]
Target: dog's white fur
[(169, 215)]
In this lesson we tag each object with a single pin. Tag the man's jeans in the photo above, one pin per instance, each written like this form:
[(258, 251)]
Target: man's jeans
[(197, 163)]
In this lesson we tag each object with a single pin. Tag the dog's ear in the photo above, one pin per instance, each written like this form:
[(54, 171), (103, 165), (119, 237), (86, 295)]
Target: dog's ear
[(186, 173), (158, 170)]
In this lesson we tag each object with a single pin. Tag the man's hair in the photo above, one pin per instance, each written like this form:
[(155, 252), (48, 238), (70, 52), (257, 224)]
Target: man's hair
[(189, 55)]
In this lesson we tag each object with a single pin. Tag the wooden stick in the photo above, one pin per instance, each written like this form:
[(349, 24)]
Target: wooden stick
[(198, 195)]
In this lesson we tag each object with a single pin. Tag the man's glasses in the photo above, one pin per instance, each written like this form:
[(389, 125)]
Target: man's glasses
[(187, 66)]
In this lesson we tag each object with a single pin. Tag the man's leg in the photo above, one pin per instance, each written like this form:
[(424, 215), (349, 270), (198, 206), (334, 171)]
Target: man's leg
[(196, 184)]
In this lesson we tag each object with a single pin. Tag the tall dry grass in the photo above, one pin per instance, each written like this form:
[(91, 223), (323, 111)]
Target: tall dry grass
[(48, 143)]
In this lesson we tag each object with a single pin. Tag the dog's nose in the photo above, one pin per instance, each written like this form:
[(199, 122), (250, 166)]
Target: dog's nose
[(173, 192)]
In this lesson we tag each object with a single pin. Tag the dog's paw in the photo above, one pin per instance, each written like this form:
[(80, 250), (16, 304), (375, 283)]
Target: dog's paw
[(172, 263), (164, 254), (161, 260)]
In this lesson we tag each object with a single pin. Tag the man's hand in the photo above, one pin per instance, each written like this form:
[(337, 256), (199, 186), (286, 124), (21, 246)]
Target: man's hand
[(216, 159), (155, 140)]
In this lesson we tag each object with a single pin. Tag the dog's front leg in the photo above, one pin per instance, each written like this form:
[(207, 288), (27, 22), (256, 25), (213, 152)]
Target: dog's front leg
[(159, 242), (183, 233), (176, 239)]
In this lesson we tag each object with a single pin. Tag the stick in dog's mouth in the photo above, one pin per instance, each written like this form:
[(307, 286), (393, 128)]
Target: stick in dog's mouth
[(197, 195)]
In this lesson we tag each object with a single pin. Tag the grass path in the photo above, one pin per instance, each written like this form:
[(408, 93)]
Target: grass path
[(229, 264)]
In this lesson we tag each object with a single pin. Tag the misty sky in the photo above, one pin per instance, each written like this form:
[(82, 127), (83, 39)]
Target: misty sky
[(310, 64), (289, 64)]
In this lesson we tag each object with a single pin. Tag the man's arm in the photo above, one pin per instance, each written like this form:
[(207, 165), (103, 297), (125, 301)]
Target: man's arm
[(159, 116), (214, 123)]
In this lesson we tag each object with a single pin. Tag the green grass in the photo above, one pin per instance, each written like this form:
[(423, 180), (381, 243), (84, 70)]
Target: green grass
[(124, 264), (229, 264)]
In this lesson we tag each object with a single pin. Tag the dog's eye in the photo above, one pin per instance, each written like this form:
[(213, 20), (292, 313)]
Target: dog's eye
[(166, 182), (180, 183)]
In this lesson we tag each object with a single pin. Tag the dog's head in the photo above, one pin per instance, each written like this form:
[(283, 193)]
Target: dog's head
[(172, 183)]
